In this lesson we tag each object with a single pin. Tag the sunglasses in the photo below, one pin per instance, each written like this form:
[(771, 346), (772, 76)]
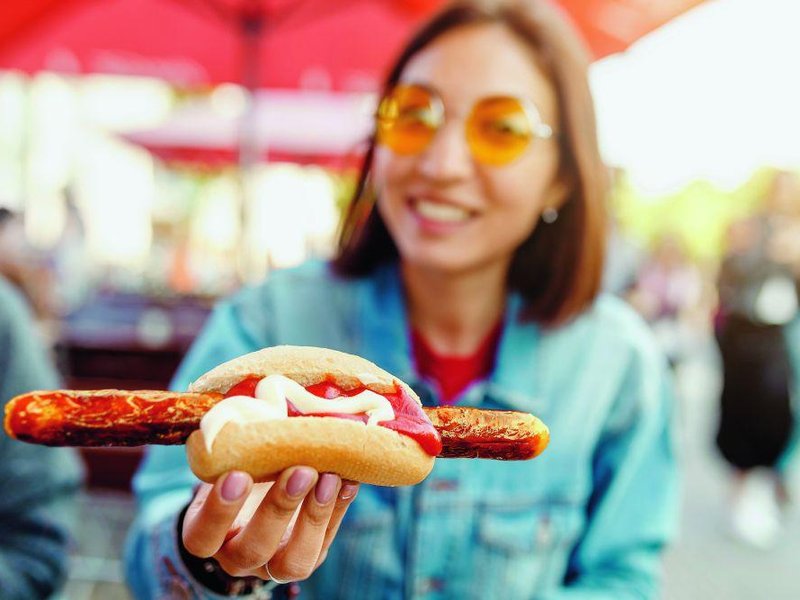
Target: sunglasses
[(498, 129)]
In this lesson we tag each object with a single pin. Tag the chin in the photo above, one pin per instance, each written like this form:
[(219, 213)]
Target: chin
[(444, 265)]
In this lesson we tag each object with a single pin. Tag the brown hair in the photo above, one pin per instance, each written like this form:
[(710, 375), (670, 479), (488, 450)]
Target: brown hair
[(558, 268)]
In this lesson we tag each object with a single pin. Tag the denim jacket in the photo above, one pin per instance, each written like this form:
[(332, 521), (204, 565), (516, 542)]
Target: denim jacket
[(587, 519)]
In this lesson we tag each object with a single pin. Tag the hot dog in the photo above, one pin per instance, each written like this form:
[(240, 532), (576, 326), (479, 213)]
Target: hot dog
[(339, 420), (134, 418)]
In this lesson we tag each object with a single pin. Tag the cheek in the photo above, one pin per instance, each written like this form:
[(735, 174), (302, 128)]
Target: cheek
[(518, 196), (390, 175), (389, 170)]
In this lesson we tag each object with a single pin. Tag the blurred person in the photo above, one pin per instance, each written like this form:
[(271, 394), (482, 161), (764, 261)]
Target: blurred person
[(12, 252), (624, 258), (475, 279), (69, 259), (18, 265), (758, 299), (668, 288), (38, 483)]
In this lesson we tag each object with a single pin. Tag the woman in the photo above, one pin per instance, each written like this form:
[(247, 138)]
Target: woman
[(475, 279)]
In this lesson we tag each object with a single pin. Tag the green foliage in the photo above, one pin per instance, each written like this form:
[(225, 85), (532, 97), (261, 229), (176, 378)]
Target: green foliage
[(699, 214)]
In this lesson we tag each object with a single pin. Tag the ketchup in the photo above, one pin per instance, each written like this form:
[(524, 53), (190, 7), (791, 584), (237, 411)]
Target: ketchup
[(409, 418)]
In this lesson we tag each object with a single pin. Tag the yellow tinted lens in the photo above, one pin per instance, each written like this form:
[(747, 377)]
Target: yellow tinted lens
[(408, 118), (498, 130)]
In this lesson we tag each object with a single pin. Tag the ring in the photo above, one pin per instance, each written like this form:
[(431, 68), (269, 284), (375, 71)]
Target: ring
[(273, 578)]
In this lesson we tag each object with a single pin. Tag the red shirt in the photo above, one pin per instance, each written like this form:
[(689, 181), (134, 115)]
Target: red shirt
[(454, 373)]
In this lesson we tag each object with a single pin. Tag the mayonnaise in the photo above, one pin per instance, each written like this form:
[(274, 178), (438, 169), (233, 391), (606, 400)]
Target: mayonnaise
[(270, 403)]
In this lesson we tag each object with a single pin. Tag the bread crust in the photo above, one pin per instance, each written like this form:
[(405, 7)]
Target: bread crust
[(358, 452), (307, 365)]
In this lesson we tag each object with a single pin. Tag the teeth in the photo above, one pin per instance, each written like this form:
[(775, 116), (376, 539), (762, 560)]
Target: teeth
[(441, 212)]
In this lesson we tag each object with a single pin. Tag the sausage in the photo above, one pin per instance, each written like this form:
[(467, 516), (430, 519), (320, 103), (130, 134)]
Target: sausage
[(106, 417), (496, 434), (134, 418)]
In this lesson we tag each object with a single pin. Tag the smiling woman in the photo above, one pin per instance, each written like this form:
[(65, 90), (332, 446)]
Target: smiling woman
[(469, 266), (510, 143)]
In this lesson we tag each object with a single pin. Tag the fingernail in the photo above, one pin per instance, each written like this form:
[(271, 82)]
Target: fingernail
[(299, 482), (234, 486), (349, 490), (326, 488)]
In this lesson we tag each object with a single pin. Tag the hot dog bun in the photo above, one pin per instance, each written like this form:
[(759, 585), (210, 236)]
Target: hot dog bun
[(367, 453), (377, 455)]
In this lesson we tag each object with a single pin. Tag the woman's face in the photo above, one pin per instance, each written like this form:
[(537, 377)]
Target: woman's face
[(445, 211)]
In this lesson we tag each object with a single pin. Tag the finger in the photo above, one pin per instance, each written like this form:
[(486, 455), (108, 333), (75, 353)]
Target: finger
[(257, 494), (255, 544), (296, 560), (347, 494), (212, 512)]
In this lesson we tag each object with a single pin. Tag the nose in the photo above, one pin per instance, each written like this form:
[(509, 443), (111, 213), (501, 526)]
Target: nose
[(447, 157)]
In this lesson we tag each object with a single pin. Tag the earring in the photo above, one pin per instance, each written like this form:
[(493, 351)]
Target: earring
[(549, 215)]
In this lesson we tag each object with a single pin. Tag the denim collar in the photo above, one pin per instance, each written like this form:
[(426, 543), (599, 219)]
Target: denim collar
[(385, 339), (384, 322)]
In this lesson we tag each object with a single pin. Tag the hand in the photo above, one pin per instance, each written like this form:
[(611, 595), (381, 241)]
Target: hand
[(282, 529)]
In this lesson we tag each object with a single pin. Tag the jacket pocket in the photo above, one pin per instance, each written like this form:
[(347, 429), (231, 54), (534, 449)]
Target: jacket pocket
[(523, 550)]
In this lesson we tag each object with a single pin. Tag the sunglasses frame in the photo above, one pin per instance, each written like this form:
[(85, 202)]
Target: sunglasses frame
[(539, 128)]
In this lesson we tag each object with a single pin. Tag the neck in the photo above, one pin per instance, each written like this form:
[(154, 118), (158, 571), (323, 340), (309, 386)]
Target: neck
[(454, 313)]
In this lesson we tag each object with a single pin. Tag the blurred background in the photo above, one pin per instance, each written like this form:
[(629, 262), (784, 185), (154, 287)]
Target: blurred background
[(157, 154)]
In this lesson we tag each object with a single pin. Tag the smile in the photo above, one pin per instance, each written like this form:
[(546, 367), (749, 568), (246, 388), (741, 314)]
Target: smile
[(437, 211)]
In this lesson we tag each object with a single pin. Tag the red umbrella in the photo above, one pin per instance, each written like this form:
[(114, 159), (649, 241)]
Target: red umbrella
[(318, 44), (610, 26), (335, 44)]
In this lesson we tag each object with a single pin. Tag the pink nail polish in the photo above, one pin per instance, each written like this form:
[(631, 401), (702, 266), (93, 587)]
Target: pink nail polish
[(300, 482), (234, 486), (326, 488), (348, 491)]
